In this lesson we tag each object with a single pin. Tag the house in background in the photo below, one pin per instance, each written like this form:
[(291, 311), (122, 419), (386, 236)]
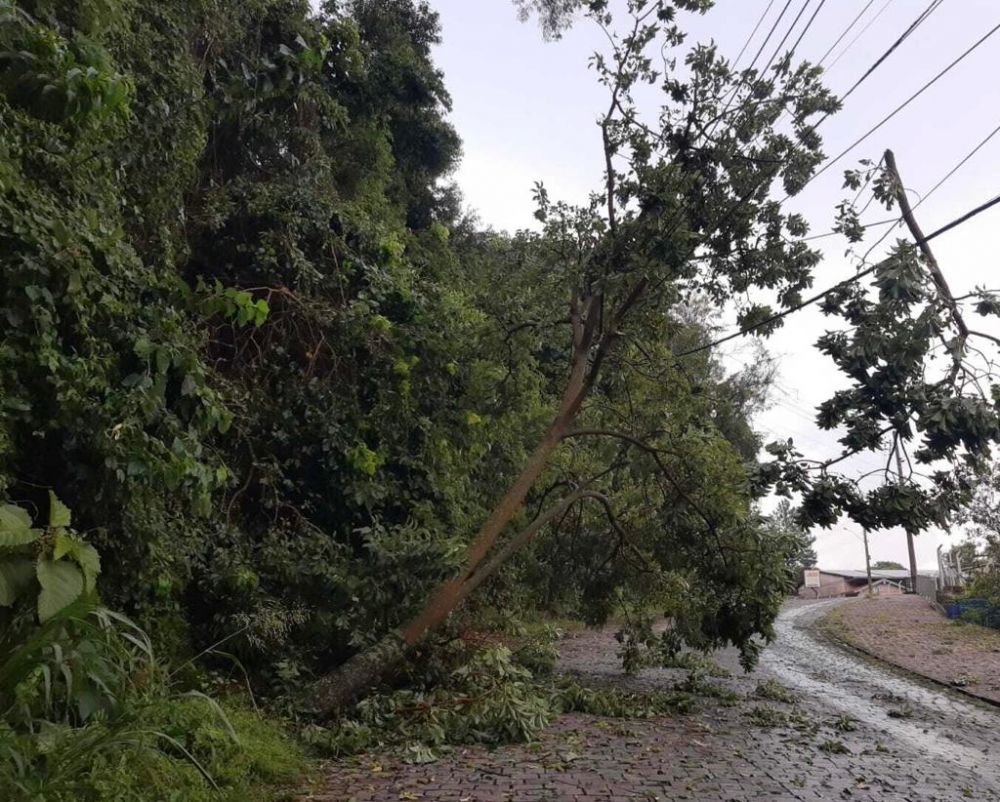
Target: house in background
[(828, 584)]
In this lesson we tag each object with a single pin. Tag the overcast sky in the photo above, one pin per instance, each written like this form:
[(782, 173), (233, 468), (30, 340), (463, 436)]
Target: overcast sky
[(526, 111)]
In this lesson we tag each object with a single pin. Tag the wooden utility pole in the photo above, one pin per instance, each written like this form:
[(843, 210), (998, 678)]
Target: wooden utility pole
[(909, 534), (945, 294), (868, 562)]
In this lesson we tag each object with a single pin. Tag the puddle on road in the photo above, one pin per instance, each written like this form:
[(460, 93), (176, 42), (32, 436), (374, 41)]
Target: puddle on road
[(930, 721)]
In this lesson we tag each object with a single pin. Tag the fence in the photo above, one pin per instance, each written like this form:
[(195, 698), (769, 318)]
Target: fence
[(976, 611)]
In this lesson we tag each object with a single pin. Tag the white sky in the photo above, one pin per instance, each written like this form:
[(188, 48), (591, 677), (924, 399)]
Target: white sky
[(526, 111)]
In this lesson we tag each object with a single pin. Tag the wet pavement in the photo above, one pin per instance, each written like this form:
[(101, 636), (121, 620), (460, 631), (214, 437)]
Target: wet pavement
[(936, 723), (857, 730)]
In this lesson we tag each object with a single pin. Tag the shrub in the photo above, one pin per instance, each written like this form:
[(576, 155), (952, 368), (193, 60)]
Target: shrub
[(87, 713)]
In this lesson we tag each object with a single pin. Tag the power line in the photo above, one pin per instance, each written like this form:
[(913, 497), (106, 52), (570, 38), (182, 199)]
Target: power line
[(788, 33), (902, 38), (770, 33), (905, 35), (753, 33), (900, 107), (847, 30), (814, 126), (840, 284), (861, 33), (927, 195), (896, 221), (958, 166), (808, 25)]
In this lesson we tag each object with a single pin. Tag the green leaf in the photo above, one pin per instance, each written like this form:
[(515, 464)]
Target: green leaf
[(15, 526), (82, 553), (62, 584), (15, 576), (59, 514), (90, 561)]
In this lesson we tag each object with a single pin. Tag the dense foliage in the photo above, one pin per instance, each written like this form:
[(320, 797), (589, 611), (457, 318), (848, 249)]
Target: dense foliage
[(279, 380), (298, 403)]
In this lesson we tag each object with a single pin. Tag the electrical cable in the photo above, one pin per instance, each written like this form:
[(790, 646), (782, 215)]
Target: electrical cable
[(846, 31), (935, 4), (830, 162), (753, 33), (846, 282), (861, 33)]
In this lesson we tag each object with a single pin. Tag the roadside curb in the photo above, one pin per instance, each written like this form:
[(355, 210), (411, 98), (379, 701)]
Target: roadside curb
[(825, 633)]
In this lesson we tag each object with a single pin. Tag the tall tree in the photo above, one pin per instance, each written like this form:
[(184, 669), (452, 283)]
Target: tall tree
[(683, 210)]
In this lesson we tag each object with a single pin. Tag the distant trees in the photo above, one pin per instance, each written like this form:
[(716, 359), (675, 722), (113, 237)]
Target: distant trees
[(888, 565), (784, 523)]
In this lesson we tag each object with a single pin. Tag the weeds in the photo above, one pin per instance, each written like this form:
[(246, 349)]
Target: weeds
[(845, 723), (774, 691), (767, 717), (834, 748)]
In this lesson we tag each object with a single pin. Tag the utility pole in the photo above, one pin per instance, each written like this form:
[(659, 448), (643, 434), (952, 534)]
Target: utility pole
[(945, 294), (909, 534), (868, 563)]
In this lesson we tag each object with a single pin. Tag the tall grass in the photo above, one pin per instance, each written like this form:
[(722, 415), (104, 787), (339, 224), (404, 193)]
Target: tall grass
[(88, 713)]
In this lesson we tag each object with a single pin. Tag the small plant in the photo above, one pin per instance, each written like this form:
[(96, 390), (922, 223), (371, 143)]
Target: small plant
[(774, 691), (697, 685), (86, 711), (964, 680), (905, 711), (767, 717), (619, 703), (845, 723), (834, 748), (694, 661), (52, 563)]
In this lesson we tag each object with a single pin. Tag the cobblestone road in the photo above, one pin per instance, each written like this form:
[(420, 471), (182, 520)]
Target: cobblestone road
[(858, 732)]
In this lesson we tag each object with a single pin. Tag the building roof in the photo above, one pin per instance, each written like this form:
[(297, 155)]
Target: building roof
[(878, 573)]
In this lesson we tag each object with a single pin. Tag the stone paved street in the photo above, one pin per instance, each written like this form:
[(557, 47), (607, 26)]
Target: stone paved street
[(858, 732), (908, 632)]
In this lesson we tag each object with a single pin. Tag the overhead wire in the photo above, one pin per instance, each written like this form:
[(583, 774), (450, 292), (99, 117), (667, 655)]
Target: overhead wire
[(832, 161), (739, 84), (808, 25), (777, 50), (935, 4), (913, 26), (753, 33), (861, 33), (847, 30), (774, 27), (896, 221), (844, 283), (926, 195)]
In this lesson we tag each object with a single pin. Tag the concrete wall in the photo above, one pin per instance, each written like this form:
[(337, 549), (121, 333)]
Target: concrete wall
[(829, 587)]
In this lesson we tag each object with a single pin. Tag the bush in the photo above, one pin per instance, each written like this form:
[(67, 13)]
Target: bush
[(91, 716), (87, 712)]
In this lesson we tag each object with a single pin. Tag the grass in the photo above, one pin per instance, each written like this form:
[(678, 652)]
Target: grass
[(774, 691), (182, 749), (89, 715), (767, 717), (834, 748)]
